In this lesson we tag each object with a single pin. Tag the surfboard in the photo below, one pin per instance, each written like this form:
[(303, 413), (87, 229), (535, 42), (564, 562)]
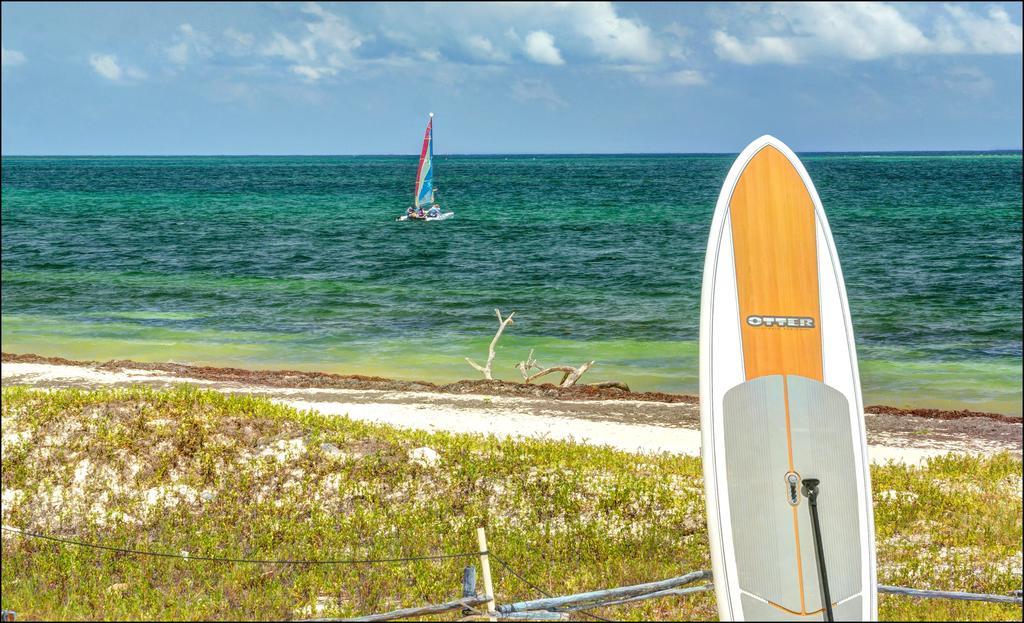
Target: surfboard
[(781, 409)]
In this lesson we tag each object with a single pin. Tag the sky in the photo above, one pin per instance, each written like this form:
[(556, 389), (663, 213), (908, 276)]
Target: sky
[(321, 78)]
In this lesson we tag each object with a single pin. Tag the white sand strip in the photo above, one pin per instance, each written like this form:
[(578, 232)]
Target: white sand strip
[(509, 423), (503, 423), (434, 412), (46, 373)]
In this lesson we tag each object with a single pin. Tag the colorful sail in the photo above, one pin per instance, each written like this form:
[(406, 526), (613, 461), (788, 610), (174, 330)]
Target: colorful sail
[(424, 193)]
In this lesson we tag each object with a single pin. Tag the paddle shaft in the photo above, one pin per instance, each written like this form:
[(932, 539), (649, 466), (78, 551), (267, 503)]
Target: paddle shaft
[(811, 491)]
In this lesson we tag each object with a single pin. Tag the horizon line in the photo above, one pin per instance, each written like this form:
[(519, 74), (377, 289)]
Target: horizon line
[(511, 153)]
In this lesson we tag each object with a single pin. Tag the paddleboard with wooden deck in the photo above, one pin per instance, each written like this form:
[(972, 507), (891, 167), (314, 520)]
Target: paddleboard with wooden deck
[(781, 409)]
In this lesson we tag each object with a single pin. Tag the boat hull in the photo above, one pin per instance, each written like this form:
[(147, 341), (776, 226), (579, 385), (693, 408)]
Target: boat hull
[(441, 217)]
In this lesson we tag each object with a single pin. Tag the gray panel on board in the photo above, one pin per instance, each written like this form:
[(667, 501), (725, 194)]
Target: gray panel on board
[(756, 463), (761, 516), (823, 449)]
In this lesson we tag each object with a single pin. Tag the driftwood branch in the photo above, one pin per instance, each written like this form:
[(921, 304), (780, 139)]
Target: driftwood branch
[(502, 323), (566, 369), (569, 374), (527, 365), (575, 375)]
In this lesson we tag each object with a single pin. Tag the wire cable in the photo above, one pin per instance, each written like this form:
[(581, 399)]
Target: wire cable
[(353, 561), (539, 589)]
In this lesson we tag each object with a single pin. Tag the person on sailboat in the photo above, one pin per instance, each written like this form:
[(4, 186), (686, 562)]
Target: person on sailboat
[(434, 211)]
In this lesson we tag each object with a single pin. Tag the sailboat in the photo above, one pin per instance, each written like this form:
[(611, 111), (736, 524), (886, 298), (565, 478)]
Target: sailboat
[(424, 207)]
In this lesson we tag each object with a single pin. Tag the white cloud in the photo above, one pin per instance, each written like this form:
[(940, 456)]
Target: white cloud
[(668, 78), (189, 43), (315, 42), (585, 32), (239, 40), (107, 66), (284, 47), (178, 53), (312, 73), (797, 32), (675, 34), (537, 90), (676, 30), (482, 48), (686, 77), (431, 55), (11, 58), (965, 31), (332, 31), (327, 48), (540, 48), (760, 50), (612, 37), (589, 29)]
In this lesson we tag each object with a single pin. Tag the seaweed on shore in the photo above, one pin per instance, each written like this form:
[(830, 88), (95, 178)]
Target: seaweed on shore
[(328, 380)]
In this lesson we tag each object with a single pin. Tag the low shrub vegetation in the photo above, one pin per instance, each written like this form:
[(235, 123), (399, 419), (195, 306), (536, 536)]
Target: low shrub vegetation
[(188, 471)]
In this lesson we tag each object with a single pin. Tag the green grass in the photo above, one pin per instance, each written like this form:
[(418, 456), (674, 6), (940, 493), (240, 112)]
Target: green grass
[(210, 474)]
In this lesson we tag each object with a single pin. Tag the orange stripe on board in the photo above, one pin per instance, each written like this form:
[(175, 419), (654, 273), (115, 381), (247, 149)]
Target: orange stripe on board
[(796, 519), (789, 428), (785, 609), (773, 237)]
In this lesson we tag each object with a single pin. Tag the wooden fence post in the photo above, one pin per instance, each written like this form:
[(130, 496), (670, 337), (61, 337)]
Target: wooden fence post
[(485, 568)]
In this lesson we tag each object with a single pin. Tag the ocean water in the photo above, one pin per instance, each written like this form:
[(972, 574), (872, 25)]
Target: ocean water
[(297, 262)]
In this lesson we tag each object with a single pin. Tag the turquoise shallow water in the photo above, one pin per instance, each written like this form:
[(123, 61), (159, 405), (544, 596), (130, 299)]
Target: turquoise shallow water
[(296, 262)]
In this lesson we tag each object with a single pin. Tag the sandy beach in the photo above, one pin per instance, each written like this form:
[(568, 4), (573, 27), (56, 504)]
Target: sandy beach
[(635, 422)]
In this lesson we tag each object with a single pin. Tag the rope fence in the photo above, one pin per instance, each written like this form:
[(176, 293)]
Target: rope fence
[(548, 608)]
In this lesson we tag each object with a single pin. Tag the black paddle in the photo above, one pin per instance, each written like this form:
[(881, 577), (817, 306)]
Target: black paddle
[(810, 491)]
